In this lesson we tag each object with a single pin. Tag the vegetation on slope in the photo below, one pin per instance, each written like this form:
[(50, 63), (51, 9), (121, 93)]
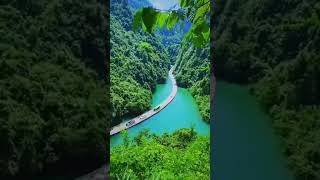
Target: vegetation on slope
[(181, 155), (192, 64), (138, 61), (52, 93), (274, 46), (193, 71)]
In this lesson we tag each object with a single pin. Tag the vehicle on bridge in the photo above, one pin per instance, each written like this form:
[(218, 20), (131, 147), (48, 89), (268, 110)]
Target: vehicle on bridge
[(156, 108), (130, 123)]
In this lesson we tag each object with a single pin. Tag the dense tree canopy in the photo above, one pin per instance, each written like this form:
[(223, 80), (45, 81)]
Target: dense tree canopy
[(138, 62), (181, 155), (53, 88)]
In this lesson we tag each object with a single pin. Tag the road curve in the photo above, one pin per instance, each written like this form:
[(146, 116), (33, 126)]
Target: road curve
[(150, 113)]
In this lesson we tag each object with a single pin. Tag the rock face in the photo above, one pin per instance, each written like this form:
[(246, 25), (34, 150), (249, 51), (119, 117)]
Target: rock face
[(99, 174)]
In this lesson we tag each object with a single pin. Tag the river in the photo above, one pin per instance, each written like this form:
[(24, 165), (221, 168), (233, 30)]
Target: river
[(245, 145), (182, 112)]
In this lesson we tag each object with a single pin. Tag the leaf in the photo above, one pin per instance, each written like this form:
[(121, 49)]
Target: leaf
[(149, 17), (162, 19), (200, 27), (198, 40), (144, 28), (137, 20), (189, 3), (172, 19), (187, 37), (206, 35), (182, 2), (202, 11), (201, 33)]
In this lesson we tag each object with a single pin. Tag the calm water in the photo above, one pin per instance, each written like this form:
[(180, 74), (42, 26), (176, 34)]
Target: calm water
[(245, 146), (182, 112)]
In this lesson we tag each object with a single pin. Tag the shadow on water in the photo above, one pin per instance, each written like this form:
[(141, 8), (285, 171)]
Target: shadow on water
[(245, 146)]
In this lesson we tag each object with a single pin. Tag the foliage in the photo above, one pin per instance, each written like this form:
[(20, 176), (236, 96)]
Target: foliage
[(194, 11), (197, 13), (273, 46), (181, 155), (52, 87), (138, 61), (193, 71)]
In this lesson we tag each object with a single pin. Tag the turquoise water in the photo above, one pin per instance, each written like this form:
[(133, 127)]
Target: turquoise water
[(245, 144), (182, 112)]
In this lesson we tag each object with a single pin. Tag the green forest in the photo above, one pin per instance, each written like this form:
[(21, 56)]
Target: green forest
[(141, 59), (273, 47), (138, 62), (53, 87), (180, 155)]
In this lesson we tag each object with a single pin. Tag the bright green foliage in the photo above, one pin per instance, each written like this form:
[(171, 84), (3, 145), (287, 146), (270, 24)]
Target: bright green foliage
[(274, 47), (138, 61), (162, 19), (137, 20), (196, 11), (172, 19), (53, 108), (149, 18), (128, 97), (192, 71), (181, 155)]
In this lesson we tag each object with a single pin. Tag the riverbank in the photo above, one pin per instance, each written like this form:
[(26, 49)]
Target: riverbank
[(182, 112)]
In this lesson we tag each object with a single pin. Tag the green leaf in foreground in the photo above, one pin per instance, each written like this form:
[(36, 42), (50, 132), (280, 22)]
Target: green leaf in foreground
[(162, 19), (150, 17), (137, 20), (172, 20)]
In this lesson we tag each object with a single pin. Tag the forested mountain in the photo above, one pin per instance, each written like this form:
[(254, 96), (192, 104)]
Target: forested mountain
[(274, 47), (138, 62), (136, 4), (53, 108), (193, 71)]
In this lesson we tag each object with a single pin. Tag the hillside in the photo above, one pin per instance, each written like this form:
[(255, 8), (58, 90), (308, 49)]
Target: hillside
[(139, 61), (193, 71), (52, 87)]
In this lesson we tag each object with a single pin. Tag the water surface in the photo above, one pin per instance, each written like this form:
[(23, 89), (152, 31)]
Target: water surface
[(245, 145), (182, 112)]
